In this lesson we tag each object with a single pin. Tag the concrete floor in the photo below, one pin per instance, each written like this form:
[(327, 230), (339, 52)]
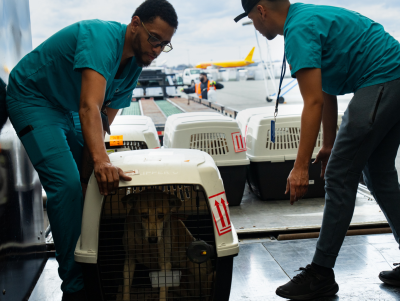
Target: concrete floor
[(261, 267), (264, 265)]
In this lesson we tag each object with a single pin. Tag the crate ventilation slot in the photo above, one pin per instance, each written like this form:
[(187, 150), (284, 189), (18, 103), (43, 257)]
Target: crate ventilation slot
[(212, 143), (135, 145), (288, 138), (132, 145)]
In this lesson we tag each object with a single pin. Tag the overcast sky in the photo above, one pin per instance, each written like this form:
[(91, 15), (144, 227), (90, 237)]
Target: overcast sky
[(206, 28)]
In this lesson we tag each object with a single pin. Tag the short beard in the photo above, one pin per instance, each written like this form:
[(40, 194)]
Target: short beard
[(137, 50)]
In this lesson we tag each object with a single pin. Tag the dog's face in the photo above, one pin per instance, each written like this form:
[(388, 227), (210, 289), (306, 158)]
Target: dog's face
[(152, 209)]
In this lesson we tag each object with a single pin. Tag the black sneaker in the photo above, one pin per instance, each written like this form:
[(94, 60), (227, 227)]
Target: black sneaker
[(77, 296), (391, 277), (309, 284)]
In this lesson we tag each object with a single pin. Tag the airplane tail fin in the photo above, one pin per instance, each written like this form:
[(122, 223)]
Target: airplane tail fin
[(249, 57)]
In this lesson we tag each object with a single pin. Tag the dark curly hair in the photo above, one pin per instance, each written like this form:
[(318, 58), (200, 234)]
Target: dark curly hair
[(151, 9)]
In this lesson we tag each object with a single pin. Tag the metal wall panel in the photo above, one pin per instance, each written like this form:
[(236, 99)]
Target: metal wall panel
[(22, 241)]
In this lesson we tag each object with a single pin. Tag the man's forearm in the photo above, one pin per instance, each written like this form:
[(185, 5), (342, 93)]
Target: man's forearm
[(93, 133), (310, 126), (329, 120)]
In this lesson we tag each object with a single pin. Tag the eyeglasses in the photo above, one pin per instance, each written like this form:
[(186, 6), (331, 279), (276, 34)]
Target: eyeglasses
[(165, 46)]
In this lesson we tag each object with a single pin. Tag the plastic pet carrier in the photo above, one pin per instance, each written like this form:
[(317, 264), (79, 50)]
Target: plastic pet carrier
[(130, 132), (166, 235), (271, 163), (220, 137), (244, 116)]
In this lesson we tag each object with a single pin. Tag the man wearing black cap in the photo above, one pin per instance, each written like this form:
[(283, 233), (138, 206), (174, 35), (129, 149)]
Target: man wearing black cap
[(202, 88), (333, 51)]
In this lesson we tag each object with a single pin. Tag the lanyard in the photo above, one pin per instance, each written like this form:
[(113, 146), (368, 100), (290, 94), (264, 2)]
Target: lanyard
[(283, 73)]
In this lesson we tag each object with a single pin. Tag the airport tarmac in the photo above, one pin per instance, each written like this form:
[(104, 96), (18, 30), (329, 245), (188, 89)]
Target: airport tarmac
[(241, 95)]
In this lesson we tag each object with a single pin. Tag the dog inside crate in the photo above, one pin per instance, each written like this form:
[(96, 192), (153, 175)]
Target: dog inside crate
[(157, 243)]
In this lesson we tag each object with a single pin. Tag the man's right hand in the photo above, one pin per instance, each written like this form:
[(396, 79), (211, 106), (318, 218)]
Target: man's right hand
[(323, 157), (108, 176)]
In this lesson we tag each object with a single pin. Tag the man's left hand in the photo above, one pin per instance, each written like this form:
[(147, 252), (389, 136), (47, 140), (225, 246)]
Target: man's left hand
[(297, 184)]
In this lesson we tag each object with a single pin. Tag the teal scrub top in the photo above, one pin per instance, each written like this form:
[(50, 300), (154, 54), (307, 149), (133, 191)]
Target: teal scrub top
[(51, 74), (2, 91), (351, 50)]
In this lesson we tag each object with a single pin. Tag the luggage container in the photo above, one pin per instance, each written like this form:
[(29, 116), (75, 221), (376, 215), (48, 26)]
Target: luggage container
[(220, 137), (271, 163), (165, 235), (131, 132)]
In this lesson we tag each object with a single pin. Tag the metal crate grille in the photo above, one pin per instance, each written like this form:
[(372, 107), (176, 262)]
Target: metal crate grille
[(288, 138), (132, 145), (212, 143), (144, 234)]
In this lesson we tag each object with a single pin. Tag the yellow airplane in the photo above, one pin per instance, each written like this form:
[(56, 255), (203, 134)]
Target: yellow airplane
[(230, 64)]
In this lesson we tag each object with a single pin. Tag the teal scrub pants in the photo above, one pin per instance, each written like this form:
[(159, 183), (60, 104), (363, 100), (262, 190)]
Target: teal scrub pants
[(55, 148)]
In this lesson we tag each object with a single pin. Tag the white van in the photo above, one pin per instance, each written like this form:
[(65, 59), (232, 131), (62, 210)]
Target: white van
[(191, 76)]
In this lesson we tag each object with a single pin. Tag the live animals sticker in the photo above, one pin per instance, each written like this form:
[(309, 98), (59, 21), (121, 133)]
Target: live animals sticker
[(221, 215), (117, 140), (132, 172)]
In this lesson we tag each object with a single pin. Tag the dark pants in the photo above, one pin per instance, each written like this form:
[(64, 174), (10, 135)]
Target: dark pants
[(367, 142), (55, 148)]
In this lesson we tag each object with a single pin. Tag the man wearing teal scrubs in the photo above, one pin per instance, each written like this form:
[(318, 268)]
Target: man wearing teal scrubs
[(86, 67), (333, 51), (3, 109)]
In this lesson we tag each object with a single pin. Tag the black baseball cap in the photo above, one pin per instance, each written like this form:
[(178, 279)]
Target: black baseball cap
[(247, 6)]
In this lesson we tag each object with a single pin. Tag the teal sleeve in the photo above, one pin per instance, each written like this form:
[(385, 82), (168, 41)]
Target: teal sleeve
[(94, 50), (2, 91), (303, 46)]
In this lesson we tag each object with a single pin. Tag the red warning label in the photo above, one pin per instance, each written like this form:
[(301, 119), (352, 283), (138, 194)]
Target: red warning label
[(220, 211), (238, 142)]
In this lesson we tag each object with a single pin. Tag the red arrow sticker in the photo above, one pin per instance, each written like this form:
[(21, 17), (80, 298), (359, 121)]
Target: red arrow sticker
[(220, 210), (238, 142)]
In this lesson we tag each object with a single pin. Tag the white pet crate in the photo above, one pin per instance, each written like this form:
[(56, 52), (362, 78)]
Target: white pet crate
[(271, 163), (165, 235), (220, 137), (244, 116), (131, 132)]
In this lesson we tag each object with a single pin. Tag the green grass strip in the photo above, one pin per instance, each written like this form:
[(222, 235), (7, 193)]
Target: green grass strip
[(132, 110), (168, 108)]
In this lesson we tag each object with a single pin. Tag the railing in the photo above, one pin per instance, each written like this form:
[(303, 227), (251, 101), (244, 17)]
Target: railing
[(215, 106)]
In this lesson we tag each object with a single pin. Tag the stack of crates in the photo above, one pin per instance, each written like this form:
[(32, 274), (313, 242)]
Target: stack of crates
[(271, 163), (220, 137)]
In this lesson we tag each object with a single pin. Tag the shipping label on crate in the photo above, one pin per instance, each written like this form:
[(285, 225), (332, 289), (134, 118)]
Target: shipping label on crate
[(238, 143), (220, 211), (116, 140)]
